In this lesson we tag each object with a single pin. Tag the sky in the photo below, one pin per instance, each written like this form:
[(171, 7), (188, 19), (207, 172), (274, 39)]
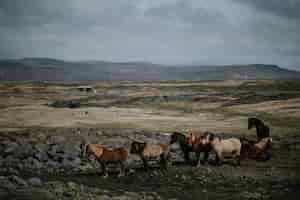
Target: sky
[(207, 32)]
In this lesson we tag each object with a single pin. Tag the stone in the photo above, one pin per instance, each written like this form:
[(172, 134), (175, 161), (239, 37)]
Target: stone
[(17, 180), (103, 197), (71, 185), (34, 182), (11, 148), (41, 156), (41, 147), (56, 140)]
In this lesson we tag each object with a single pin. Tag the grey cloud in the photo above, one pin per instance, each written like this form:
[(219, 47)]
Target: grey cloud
[(284, 8), (161, 31)]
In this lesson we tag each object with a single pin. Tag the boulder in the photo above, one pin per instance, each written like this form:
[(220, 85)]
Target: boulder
[(11, 147), (18, 181), (36, 182), (57, 139)]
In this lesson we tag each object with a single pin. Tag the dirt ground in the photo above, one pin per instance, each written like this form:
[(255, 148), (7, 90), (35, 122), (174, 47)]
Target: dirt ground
[(44, 109)]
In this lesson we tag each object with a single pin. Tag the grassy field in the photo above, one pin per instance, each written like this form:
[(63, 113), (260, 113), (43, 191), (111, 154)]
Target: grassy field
[(42, 127), (220, 106)]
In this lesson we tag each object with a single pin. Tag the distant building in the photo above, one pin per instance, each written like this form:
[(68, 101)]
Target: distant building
[(87, 89)]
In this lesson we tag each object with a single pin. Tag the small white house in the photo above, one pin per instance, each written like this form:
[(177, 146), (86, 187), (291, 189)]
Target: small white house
[(87, 89)]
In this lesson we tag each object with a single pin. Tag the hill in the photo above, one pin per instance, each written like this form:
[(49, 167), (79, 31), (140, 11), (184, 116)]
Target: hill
[(47, 69)]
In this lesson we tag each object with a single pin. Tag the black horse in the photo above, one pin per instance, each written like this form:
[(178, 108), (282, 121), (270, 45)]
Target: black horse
[(181, 139), (262, 130)]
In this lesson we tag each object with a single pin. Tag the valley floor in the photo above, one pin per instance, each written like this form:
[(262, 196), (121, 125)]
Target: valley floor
[(51, 119)]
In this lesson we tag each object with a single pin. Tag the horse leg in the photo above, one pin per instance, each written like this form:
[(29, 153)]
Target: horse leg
[(220, 158), (104, 171), (217, 159), (186, 156), (122, 169), (163, 161), (205, 158), (145, 163), (238, 160), (198, 159)]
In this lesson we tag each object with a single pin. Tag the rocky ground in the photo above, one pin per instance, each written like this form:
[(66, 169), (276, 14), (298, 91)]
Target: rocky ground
[(42, 125), (46, 164)]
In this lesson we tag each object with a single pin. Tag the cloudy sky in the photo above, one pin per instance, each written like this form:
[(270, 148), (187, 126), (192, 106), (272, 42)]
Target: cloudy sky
[(158, 31)]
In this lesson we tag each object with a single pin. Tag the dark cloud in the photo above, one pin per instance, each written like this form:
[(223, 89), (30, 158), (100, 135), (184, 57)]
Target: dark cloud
[(286, 8), (160, 31)]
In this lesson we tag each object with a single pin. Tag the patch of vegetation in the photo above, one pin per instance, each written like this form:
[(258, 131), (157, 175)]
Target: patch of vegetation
[(281, 121)]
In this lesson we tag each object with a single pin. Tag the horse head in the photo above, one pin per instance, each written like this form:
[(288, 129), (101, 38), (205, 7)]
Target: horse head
[(177, 137), (137, 147), (83, 148), (253, 121)]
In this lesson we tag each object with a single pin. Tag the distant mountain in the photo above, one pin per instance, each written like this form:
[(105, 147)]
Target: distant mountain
[(47, 69)]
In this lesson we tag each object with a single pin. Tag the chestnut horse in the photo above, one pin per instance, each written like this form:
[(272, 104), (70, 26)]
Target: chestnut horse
[(200, 143), (150, 151), (259, 149), (105, 155), (262, 130)]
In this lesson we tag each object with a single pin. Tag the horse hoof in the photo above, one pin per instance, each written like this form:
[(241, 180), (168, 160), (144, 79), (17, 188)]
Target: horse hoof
[(105, 176)]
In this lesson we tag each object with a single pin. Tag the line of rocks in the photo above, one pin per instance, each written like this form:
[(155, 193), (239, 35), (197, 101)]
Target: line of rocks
[(61, 154)]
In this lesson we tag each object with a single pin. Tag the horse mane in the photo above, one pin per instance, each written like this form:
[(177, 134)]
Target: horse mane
[(256, 121)]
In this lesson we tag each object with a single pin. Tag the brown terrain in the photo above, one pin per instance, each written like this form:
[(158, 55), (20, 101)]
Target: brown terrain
[(42, 125)]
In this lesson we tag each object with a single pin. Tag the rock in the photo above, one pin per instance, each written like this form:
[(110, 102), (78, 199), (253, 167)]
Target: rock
[(11, 148), (41, 156), (36, 164), (19, 181), (25, 150), (40, 147), (35, 182), (52, 164), (12, 160), (71, 185), (103, 197), (56, 140), (65, 104), (251, 195)]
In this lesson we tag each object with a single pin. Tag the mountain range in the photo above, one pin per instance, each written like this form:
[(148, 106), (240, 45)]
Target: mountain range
[(47, 69)]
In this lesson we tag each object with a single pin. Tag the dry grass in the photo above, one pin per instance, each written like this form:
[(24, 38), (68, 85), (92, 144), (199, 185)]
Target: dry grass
[(207, 113)]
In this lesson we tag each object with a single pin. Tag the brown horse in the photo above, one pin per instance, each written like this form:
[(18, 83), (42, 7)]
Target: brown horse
[(150, 151), (105, 155), (257, 150), (200, 143)]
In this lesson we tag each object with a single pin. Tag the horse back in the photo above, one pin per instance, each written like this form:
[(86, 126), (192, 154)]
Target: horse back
[(232, 144), (154, 150), (118, 154), (164, 147)]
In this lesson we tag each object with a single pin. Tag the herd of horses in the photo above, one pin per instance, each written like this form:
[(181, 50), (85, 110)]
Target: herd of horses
[(194, 141)]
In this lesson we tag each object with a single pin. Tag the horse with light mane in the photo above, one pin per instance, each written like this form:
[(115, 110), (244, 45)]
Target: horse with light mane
[(105, 155), (151, 151), (226, 148)]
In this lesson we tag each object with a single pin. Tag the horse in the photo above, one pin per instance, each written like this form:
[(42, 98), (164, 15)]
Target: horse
[(262, 147), (200, 143), (262, 130), (181, 139), (105, 155), (226, 147), (150, 151)]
